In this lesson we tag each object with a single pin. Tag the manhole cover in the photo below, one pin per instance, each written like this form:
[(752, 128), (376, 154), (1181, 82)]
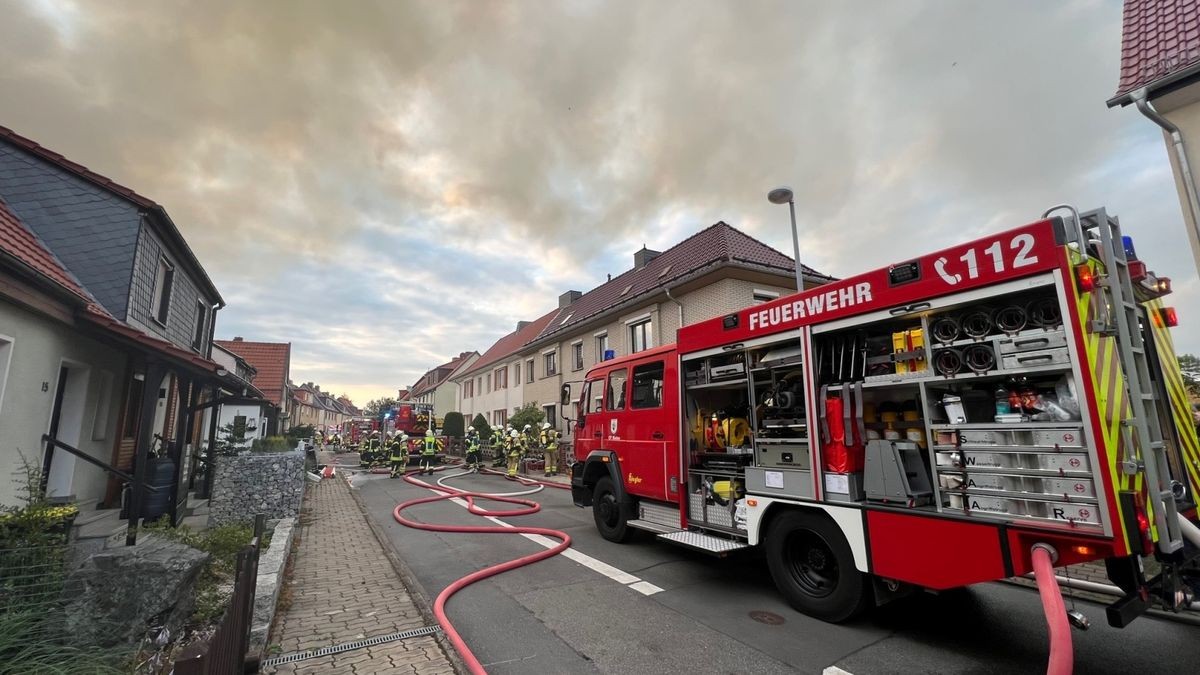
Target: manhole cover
[(769, 618)]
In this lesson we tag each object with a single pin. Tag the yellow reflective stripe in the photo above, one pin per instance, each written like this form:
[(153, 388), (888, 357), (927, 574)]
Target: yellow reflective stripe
[(1180, 405)]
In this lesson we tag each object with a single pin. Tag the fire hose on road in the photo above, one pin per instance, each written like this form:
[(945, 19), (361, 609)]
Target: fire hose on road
[(447, 492)]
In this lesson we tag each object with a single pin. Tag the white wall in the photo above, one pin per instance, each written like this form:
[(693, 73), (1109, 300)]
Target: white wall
[(39, 347), (254, 415)]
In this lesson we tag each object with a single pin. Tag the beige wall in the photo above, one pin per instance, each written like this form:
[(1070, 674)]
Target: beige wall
[(485, 402), (713, 299), (33, 348), (1182, 108)]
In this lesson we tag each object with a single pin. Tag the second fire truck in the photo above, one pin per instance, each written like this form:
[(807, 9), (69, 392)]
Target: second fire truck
[(928, 425)]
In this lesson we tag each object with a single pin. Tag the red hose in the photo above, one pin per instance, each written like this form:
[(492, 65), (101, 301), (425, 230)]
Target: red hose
[(1062, 654), (439, 605)]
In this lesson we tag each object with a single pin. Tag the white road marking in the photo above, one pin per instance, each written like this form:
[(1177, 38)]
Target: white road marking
[(599, 566), (834, 670)]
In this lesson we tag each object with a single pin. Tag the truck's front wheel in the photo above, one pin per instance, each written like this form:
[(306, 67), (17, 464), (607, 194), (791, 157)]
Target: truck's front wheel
[(611, 514), (813, 567)]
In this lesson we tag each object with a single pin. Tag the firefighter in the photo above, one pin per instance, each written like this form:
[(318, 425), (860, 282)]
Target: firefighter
[(429, 451), (472, 449), (398, 454), (549, 441), (499, 446), (516, 448)]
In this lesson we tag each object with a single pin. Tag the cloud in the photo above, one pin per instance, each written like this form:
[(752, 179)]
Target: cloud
[(387, 184)]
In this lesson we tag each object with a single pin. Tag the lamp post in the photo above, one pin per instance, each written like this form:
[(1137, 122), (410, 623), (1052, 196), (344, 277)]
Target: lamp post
[(783, 195)]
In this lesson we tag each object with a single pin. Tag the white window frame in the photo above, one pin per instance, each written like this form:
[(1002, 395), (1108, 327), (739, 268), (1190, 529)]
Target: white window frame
[(546, 356), (577, 351), (529, 375), (7, 346), (157, 300), (600, 349), (759, 296), (647, 334)]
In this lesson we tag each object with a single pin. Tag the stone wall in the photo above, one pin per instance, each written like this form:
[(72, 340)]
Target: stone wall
[(271, 483)]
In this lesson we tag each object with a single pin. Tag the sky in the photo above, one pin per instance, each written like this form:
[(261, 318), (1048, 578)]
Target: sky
[(385, 185)]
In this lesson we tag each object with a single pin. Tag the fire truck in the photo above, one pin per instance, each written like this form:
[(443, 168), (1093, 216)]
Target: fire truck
[(927, 425)]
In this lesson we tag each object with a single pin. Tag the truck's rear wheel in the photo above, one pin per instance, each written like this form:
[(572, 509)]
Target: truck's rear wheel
[(611, 514), (813, 567)]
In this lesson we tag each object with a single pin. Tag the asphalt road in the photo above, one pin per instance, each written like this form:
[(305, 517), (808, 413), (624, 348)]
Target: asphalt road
[(562, 616)]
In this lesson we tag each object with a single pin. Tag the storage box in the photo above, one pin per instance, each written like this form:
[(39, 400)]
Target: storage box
[(1077, 513), (909, 341), (844, 487)]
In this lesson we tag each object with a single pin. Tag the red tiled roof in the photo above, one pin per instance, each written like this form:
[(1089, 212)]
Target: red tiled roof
[(20, 242), (1158, 38), (717, 243), (272, 360), (425, 384), (510, 344)]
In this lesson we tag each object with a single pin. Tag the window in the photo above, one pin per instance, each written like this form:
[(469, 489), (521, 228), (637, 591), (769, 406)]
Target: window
[(501, 378), (489, 382), (529, 370), (551, 362), (641, 336), (601, 346), (577, 356), (595, 396), (500, 417), (647, 386), (103, 403), (468, 386), (133, 409), (201, 316), (616, 390), (517, 372), (479, 384), (761, 296), (239, 426), (6, 349), (163, 281), (551, 417)]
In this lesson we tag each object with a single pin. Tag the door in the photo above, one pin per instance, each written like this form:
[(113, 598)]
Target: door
[(648, 435), (66, 425), (589, 436)]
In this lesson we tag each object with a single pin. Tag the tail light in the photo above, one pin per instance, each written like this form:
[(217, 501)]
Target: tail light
[(1162, 285), (1167, 317), (1085, 278), (1143, 522)]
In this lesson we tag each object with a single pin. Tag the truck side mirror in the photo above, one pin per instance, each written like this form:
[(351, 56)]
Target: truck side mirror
[(564, 396)]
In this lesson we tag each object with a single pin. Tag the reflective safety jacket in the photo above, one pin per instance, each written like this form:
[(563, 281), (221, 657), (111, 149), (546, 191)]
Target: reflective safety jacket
[(431, 445), (398, 450), (550, 439)]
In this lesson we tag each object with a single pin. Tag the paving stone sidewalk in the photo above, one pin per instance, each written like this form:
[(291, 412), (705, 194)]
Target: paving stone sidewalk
[(345, 589)]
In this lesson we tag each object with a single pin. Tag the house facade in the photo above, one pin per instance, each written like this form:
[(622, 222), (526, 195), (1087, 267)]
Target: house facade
[(319, 409), (1160, 76), (718, 270), (271, 362), (245, 415), (140, 289), (494, 385), (437, 389)]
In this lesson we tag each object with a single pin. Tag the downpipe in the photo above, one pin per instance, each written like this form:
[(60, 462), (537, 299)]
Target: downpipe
[(1062, 654)]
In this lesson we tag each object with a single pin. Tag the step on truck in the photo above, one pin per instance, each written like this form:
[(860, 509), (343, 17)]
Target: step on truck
[(927, 425)]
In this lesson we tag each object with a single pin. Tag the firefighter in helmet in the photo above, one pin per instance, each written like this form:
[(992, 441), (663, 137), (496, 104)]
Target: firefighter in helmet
[(516, 448), (398, 453), (497, 445), (549, 441), (429, 451), (472, 449)]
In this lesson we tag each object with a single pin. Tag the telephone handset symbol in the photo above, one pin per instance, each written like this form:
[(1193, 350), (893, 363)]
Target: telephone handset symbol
[(939, 266)]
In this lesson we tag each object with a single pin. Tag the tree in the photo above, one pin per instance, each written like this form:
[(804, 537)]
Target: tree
[(1190, 366), (300, 431), (376, 407), (529, 414), (481, 425), (453, 425)]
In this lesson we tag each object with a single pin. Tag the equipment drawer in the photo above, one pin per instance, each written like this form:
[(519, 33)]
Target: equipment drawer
[(1030, 343), (1040, 461), (1067, 437), (1034, 485), (1044, 357)]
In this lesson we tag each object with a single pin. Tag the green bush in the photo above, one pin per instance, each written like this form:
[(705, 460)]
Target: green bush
[(454, 425), (271, 444), (481, 425), (529, 414), (300, 431), (30, 644)]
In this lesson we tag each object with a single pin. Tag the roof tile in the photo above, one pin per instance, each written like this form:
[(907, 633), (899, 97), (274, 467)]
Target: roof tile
[(272, 360), (1158, 38)]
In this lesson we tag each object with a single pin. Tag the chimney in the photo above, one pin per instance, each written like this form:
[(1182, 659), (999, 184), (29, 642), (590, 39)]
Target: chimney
[(644, 256), (522, 324), (567, 298), (237, 338)]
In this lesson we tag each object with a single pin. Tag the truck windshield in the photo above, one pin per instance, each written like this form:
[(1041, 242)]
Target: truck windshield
[(616, 390)]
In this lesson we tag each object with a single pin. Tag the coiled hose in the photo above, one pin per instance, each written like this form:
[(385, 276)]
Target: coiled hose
[(447, 492)]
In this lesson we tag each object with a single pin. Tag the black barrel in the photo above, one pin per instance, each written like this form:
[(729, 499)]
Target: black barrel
[(160, 473)]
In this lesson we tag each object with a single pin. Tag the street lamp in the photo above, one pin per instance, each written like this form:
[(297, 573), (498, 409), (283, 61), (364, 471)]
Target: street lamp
[(783, 195)]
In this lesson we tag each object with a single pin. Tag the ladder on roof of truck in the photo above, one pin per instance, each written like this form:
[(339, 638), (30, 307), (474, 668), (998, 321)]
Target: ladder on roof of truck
[(1143, 431)]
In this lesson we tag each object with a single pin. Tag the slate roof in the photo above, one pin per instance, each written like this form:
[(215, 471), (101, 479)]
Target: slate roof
[(1160, 40), (19, 243), (510, 344), (272, 360), (72, 205), (719, 243)]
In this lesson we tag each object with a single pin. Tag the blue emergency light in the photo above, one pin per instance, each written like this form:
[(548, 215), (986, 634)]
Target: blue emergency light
[(610, 354), (1127, 243)]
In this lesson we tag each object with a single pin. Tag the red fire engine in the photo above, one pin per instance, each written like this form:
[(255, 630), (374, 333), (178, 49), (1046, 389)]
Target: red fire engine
[(926, 425)]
